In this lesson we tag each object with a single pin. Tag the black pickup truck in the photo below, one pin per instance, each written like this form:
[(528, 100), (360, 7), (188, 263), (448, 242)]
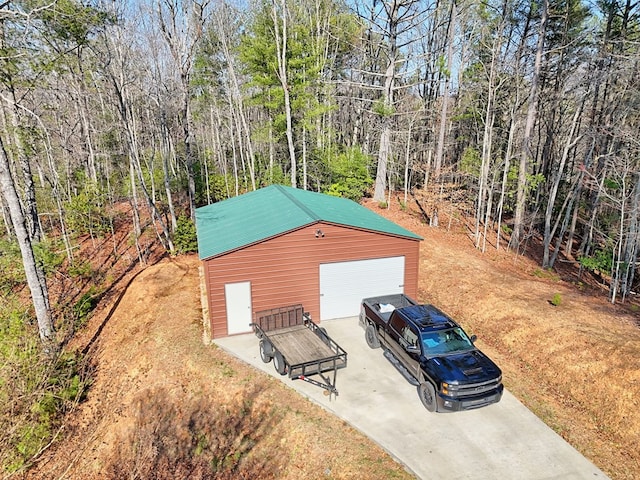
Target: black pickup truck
[(433, 352)]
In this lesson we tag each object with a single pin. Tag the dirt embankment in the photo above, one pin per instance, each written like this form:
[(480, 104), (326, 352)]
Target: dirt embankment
[(164, 405)]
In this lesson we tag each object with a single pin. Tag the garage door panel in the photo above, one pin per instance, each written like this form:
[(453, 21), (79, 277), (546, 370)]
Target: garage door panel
[(343, 285)]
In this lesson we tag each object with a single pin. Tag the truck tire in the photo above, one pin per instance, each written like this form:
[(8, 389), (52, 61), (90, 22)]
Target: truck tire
[(427, 395), (266, 351), (371, 336), (278, 363)]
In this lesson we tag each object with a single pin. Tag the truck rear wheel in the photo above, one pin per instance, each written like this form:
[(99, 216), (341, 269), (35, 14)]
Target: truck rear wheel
[(266, 351), (278, 363), (371, 336), (427, 395)]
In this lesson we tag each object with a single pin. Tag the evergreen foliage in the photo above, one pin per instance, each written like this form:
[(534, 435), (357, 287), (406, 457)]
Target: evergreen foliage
[(349, 173), (185, 238)]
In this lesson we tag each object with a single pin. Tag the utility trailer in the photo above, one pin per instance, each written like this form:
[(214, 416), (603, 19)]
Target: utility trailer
[(298, 346)]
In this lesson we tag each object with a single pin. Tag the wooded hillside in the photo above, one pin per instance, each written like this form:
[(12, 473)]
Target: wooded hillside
[(528, 108), (524, 114)]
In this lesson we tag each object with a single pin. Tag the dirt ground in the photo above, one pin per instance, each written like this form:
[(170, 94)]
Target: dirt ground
[(164, 405)]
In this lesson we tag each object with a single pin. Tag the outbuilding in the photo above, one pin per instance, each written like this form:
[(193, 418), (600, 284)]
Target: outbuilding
[(280, 246)]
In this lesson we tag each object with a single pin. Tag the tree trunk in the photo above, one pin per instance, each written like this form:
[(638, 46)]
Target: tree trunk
[(32, 218), (236, 96), (384, 148), (383, 158), (166, 153), (505, 173), (526, 154), (632, 241), (445, 95), (281, 49), (37, 284), (548, 233)]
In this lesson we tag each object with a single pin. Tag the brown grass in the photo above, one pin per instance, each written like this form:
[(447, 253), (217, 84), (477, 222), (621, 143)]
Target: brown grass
[(164, 405), (576, 365)]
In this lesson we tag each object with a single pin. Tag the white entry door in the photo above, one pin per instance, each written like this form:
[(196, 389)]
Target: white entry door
[(238, 301), (343, 285)]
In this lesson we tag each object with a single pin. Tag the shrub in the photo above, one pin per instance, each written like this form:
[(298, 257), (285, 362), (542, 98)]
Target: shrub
[(471, 161), (85, 213), (546, 273), (601, 261), (506, 229), (83, 307), (81, 269), (349, 174), (49, 255), (185, 238), (35, 389), (11, 270), (556, 300)]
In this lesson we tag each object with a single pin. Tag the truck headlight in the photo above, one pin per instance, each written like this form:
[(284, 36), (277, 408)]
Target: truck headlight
[(449, 389)]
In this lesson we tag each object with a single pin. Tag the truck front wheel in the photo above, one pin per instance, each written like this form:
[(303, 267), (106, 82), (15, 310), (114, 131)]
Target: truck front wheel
[(278, 363), (266, 351), (427, 395), (371, 336)]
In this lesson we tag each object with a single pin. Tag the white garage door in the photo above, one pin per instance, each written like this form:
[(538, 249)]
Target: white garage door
[(343, 285)]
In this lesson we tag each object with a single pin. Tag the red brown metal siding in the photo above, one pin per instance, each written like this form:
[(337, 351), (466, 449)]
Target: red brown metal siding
[(285, 270)]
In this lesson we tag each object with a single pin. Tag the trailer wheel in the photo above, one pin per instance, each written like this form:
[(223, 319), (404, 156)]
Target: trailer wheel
[(278, 363), (371, 336), (266, 351), (427, 395)]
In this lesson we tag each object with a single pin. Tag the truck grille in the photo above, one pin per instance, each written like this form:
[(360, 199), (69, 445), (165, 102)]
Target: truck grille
[(474, 389)]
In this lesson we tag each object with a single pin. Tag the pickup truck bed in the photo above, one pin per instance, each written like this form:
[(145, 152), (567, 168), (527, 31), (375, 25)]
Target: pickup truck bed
[(386, 304), (298, 346)]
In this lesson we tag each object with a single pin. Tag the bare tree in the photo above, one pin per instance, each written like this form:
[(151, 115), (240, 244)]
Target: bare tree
[(36, 282), (393, 27), (447, 91), (280, 23), (181, 23), (526, 151)]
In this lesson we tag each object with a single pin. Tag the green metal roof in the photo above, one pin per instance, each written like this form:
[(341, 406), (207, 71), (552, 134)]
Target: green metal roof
[(274, 210)]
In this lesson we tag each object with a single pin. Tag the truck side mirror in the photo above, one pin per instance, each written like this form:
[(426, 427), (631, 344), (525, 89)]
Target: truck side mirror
[(473, 338), (412, 349)]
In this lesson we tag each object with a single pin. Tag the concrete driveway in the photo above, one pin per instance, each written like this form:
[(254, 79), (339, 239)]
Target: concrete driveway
[(501, 441)]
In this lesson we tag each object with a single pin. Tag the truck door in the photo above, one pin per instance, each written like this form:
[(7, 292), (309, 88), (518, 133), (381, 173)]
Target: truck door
[(405, 345)]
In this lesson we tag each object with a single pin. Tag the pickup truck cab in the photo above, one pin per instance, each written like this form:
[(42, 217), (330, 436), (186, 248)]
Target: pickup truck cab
[(433, 352)]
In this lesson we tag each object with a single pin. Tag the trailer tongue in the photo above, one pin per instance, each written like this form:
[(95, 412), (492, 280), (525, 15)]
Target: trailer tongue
[(299, 347)]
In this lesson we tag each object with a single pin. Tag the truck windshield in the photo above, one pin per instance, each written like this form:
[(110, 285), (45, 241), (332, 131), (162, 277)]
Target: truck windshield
[(446, 341)]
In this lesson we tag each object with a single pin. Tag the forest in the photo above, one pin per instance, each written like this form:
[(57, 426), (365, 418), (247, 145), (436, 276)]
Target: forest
[(524, 115)]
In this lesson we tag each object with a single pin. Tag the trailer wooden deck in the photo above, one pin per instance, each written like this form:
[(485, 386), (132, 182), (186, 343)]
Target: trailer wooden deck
[(298, 346)]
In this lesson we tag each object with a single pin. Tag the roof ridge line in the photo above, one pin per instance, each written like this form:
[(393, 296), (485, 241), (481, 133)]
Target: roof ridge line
[(297, 202)]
